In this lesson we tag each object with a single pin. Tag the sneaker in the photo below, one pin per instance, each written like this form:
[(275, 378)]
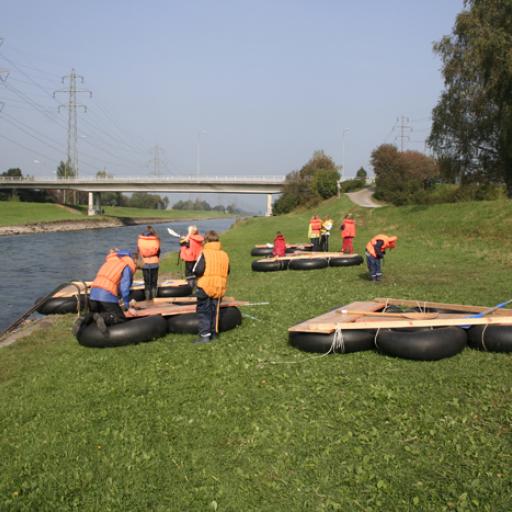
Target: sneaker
[(202, 339), (100, 323), (77, 326)]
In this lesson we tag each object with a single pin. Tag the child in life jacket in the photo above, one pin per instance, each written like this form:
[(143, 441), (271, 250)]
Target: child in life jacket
[(279, 245)]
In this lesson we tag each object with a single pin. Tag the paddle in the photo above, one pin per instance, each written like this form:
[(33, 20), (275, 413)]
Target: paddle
[(27, 313), (487, 312), (173, 233)]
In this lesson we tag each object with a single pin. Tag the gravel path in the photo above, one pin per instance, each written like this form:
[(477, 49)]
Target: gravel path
[(364, 198)]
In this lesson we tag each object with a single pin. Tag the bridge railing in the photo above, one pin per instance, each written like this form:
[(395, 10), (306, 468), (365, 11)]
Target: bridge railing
[(160, 179)]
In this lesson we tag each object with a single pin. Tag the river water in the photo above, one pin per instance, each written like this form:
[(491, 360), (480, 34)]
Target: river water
[(31, 266)]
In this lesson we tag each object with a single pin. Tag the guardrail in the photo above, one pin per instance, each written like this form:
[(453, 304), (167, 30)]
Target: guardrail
[(160, 179)]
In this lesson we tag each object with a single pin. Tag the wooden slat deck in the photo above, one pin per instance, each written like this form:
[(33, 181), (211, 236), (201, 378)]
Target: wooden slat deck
[(340, 318), (309, 255)]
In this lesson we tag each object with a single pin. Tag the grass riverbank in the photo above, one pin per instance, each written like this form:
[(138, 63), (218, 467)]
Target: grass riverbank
[(252, 424), (13, 213)]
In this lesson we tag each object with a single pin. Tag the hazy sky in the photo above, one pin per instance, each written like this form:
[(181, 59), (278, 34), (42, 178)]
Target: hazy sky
[(261, 84)]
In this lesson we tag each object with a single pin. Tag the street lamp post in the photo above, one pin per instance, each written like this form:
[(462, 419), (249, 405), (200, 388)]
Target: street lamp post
[(343, 132), (198, 152)]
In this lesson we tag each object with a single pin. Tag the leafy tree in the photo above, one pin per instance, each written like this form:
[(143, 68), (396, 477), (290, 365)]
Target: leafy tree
[(65, 170), (361, 174), (145, 200), (472, 122), (316, 180), (402, 177), (13, 173)]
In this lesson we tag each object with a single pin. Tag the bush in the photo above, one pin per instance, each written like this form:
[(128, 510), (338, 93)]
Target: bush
[(352, 185)]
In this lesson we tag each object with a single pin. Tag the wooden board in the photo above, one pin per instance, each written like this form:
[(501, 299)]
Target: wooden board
[(370, 318), (299, 255), (171, 309)]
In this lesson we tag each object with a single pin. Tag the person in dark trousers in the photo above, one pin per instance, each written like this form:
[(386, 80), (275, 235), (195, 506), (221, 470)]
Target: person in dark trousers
[(148, 245), (113, 280), (314, 227), (375, 251), (211, 270), (190, 248), (325, 233), (279, 248)]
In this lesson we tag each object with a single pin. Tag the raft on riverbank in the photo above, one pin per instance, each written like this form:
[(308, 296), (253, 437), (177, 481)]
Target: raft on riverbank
[(72, 297), (410, 329), (266, 249), (306, 261)]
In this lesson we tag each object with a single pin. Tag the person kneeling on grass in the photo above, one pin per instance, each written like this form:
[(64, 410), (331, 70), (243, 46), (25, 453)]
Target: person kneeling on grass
[(211, 269), (375, 251), (113, 280)]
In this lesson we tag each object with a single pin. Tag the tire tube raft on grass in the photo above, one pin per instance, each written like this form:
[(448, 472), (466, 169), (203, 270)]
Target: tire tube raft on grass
[(62, 305), (308, 263), (138, 330), (269, 265), (347, 342), (422, 344), (188, 323), (261, 251), (490, 338), (181, 290), (345, 261)]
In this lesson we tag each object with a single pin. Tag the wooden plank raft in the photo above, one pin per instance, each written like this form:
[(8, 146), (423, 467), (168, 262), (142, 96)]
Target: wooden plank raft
[(369, 315), (171, 306), (307, 255), (85, 286)]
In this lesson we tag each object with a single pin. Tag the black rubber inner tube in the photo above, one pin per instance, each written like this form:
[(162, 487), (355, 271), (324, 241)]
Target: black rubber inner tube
[(308, 263), (62, 305), (188, 323), (138, 330), (422, 344), (491, 338), (182, 290), (345, 261), (347, 342), (261, 251), (269, 265)]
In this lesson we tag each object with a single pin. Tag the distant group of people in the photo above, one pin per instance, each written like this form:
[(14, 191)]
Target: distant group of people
[(206, 269), (319, 231)]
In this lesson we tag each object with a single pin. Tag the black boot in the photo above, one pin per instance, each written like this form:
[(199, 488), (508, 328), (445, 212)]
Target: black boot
[(147, 294)]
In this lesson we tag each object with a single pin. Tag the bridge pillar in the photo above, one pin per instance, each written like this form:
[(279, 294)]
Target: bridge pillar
[(94, 206), (269, 206)]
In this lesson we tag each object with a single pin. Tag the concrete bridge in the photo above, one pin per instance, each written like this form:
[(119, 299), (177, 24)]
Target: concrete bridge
[(94, 186)]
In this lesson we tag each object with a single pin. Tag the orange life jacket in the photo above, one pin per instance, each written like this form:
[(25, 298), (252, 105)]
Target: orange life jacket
[(215, 278), (192, 250), (389, 242), (349, 228), (109, 274), (316, 225), (148, 246)]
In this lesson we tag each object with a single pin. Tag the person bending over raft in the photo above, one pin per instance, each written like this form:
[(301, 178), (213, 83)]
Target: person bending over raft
[(148, 245), (114, 279), (375, 251), (315, 225), (191, 246), (211, 269), (279, 245), (325, 233), (348, 232)]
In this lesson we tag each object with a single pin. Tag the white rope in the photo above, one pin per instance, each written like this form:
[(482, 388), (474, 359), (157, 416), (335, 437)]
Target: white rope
[(483, 336), (375, 338)]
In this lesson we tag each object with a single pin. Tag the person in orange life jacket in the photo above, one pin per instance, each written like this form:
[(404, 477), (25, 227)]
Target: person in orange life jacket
[(279, 248), (325, 233), (211, 269), (375, 251), (191, 246), (315, 225), (348, 232), (148, 245), (113, 279)]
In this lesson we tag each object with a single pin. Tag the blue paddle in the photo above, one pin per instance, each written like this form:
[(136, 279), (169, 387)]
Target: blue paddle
[(486, 312)]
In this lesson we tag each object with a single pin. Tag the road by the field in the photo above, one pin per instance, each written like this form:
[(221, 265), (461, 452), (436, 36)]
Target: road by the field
[(364, 198)]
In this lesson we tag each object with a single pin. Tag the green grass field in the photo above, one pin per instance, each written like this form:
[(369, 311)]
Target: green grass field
[(13, 213), (252, 424)]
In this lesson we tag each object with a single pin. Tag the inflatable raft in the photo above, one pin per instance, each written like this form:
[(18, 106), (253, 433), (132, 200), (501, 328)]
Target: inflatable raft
[(72, 298), (156, 318), (419, 330), (306, 261), (266, 249)]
